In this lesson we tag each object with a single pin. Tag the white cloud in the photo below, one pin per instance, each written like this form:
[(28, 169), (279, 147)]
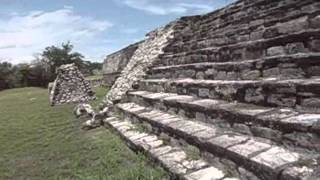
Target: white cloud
[(130, 30), (160, 7), (23, 35)]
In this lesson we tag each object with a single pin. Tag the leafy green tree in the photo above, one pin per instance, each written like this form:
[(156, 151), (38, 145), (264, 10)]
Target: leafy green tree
[(6, 72), (42, 70), (57, 56), (23, 72)]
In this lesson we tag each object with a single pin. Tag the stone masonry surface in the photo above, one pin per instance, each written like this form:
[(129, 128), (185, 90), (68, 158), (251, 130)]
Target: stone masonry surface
[(143, 58), (241, 85), (116, 62), (70, 86)]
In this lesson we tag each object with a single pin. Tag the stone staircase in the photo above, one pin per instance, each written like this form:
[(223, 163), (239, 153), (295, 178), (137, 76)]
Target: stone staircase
[(241, 86)]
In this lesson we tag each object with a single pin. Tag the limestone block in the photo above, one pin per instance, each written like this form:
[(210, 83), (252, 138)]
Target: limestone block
[(231, 76), (251, 75), (303, 171), (302, 122), (275, 51), (315, 22), (293, 48), (254, 95), (200, 75), (315, 45), (211, 73), (221, 75), (209, 173), (242, 128), (307, 140), (204, 92), (276, 157), (281, 100), (311, 102), (187, 73), (273, 72), (292, 26), (249, 147), (255, 35), (313, 71), (227, 140), (266, 133)]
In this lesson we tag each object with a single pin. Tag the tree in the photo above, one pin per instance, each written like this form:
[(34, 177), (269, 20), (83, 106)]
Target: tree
[(5, 75), (54, 56), (42, 70)]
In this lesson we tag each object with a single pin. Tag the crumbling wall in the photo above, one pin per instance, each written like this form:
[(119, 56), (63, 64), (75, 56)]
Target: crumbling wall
[(116, 62), (143, 58), (70, 86)]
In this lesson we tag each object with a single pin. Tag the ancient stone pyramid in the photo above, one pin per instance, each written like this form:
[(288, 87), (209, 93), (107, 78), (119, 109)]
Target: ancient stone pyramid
[(240, 87), (70, 86)]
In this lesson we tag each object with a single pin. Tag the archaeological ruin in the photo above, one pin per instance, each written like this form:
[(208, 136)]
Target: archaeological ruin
[(233, 94), (116, 62), (70, 86)]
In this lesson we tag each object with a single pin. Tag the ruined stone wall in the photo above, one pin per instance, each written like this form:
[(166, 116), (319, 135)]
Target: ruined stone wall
[(70, 86), (241, 84), (250, 40), (116, 62), (144, 57), (258, 31)]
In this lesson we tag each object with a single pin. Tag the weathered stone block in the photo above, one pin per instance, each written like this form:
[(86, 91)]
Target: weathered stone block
[(311, 102), (187, 73), (251, 75), (273, 72), (211, 73), (294, 48), (275, 51), (302, 122), (295, 25), (231, 76), (221, 75), (266, 133), (250, 147), (281, 100), (276, 157), (255, 35), (211, 172), (204, 92), (307, 140), (270, 33), (242, 128), (315, 22), (313, 71), (292, 73), (254, 95), (200, 75), (315, 45)]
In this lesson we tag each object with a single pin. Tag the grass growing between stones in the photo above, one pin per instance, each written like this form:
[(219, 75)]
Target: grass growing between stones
[(42, 142)]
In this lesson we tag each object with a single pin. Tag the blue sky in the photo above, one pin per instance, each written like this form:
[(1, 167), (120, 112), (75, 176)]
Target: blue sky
[(95, 27)]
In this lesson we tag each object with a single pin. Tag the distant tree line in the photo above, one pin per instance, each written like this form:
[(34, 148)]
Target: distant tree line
[(42, 70)]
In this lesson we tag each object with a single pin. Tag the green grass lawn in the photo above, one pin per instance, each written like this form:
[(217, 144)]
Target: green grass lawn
[(38, 141)]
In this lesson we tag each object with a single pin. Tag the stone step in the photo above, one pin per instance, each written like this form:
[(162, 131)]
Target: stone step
[(299, 93), (173, 159), (268, 11), (224, 33), (239, 14), (284, 126), (305, 41), (301, 65), (266, 160)]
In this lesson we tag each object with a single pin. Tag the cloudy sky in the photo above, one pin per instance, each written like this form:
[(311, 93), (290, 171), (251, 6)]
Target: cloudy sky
[(95, 27)]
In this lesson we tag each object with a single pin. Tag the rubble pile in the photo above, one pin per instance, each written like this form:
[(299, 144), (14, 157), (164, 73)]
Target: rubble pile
[(70, 86)]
